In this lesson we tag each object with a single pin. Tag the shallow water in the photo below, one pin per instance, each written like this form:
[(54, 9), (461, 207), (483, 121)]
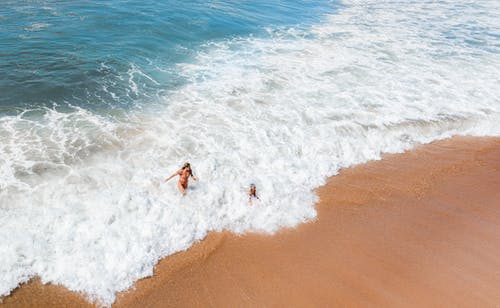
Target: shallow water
[(254, 92)]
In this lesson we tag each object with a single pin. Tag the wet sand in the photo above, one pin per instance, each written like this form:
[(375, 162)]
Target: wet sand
[(415, 229)]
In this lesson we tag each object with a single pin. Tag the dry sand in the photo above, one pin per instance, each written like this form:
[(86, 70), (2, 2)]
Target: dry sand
[(415, 229)]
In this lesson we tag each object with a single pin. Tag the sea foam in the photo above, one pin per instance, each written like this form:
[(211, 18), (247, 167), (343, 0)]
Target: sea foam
[(82, 203)]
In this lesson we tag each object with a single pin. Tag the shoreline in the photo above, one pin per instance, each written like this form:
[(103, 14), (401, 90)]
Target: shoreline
[(421, 228)]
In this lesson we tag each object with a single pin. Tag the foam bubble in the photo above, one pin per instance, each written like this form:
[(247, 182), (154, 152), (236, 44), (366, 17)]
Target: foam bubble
[(82, 203)]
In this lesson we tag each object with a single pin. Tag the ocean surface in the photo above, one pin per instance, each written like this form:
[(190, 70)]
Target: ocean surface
[(101, 100)]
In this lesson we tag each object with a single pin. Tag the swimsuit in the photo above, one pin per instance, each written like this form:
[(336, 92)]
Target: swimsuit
[(184, 176), (250, 196)]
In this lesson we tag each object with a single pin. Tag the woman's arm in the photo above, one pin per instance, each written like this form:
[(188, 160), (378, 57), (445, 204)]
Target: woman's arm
[(192, 175), (173, 174)]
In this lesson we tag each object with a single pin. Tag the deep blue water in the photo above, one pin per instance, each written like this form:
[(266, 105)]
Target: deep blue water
[(99, 54)]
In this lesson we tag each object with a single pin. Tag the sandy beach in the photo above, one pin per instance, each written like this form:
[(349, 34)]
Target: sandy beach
[(418, 229)]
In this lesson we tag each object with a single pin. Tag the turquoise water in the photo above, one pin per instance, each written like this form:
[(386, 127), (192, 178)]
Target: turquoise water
[(120, 53)]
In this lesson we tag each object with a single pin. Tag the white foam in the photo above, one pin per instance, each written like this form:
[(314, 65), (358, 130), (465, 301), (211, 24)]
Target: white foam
[(82, 202), (37, 26)]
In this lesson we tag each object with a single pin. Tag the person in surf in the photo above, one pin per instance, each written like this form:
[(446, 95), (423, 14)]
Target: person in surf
[(252, 194), (184, 173)]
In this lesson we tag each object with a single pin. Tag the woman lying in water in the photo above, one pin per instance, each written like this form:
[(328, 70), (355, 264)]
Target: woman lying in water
[(184, 175)]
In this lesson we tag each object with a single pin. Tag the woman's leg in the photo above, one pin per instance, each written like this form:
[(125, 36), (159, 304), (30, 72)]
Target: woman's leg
[(182, 187)]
